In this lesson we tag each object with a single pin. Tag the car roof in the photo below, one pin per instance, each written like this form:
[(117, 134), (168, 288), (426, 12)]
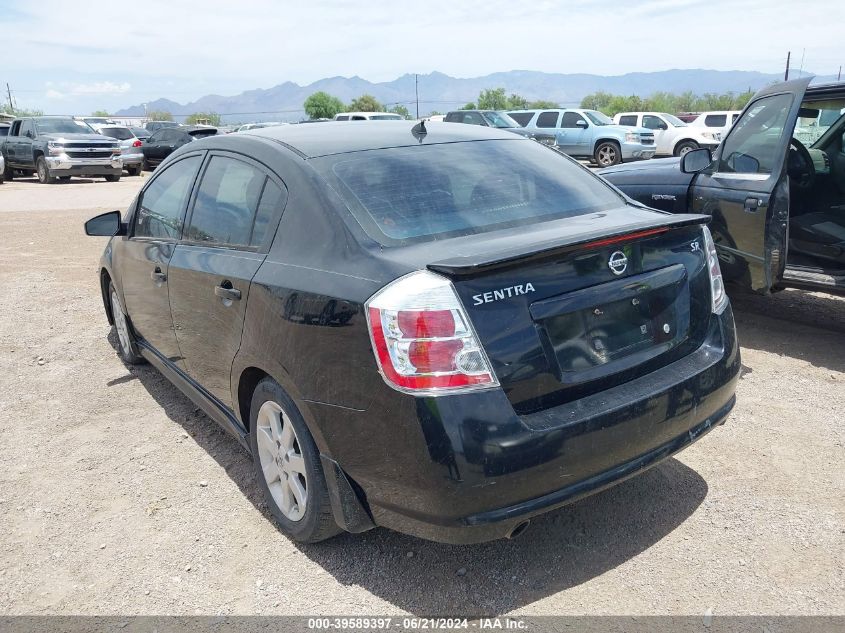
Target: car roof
[(826, 89), (335, 137)]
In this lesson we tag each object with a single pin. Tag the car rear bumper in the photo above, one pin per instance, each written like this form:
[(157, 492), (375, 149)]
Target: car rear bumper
[(466, 469), (131, 159), (637, 151), (65, 166)]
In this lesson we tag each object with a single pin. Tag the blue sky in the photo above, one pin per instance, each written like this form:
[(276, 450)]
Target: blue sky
[(68, 57)]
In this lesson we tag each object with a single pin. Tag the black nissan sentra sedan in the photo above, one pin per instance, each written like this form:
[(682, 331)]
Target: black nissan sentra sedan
[(443, 329)]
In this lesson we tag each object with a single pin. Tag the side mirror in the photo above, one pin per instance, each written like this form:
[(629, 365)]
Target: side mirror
[(662, 126), (105, 225), (29, 134), (581, 123), (696, 160)]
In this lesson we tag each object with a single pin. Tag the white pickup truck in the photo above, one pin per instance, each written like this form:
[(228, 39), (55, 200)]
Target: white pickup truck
[(672, 136)]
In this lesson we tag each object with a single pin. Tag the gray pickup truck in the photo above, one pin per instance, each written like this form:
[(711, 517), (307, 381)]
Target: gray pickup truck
[(59, 147)]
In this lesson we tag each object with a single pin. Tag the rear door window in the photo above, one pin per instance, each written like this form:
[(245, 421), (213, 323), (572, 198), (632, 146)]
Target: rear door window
[(716, 120), (548, 119), (628, 119), (230, 198), (163, 202), (523, 118)]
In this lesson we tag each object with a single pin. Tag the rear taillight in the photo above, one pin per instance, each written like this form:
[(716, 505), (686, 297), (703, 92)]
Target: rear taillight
[(423, 339), (717, 284), (137, 143)]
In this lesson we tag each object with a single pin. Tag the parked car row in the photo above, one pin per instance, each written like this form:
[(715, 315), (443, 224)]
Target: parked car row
[(59, 148)]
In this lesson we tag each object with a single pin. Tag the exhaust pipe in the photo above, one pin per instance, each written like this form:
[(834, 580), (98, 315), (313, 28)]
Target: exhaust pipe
[(519, 529)]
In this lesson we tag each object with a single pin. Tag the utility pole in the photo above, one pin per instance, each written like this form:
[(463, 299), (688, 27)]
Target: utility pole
[(417, 93), (11, 105), (786, 74)]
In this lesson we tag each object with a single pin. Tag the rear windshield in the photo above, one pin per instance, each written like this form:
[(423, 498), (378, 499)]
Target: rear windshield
[(120, 133), (425, 192)]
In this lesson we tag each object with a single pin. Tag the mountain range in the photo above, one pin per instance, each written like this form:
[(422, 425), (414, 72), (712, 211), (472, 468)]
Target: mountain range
[(440, 92)]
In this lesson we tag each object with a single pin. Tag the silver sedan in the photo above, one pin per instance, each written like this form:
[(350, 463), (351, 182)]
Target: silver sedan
[(130, 147)]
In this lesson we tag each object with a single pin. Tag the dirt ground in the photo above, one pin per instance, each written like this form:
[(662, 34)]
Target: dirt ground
[(118, 496)]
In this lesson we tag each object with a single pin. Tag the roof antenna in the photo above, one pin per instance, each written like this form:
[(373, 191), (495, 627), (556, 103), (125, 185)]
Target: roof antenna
[(419, 131)]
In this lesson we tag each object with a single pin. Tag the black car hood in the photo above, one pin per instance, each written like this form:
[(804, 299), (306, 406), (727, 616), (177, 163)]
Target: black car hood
[(656, 171)]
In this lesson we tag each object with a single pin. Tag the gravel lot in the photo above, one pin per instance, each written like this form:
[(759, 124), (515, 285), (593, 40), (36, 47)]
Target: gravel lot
[(118, 496)]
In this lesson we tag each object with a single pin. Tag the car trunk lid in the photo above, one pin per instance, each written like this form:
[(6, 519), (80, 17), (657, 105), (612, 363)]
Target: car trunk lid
[(588, 304)]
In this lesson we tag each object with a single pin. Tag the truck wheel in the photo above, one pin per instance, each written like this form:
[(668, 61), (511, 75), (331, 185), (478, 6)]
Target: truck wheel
[(685, 146), (43, 171), (112, 177), (8, 172), (607, 154), (145, 166), (135, 170)]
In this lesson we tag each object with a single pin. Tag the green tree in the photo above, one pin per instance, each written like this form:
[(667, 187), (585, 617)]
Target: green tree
[(597, 101), (22, 112), (517, 102), (400, 109), (206, 118), (468, 106), (365, 103), (101, 113), (493, 99), (159, 115), (540, 104), (322, 105)]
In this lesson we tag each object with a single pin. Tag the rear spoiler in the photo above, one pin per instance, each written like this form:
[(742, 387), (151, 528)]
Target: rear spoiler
[(531, 250)]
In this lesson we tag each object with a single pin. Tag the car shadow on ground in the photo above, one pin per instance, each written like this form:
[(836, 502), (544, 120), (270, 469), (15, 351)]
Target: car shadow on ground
[(559, 550), (805, 325)]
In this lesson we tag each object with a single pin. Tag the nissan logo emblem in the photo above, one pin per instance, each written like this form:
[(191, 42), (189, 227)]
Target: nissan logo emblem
[(618, 263)]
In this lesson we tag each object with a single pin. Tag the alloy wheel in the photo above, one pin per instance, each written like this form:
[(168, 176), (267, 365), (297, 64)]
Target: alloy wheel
[(281, 460), (120, 324), (607, 155)]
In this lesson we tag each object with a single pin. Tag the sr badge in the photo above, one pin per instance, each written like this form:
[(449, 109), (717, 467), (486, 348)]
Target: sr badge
[(618, 263)]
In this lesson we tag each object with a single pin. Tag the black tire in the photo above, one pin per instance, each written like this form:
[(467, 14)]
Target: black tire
[(317, 522), (134, 170), (145, 166), (113, 177), (607, 154), (8, 172), (685, 146), (127, 348), (43, 171), (64, 178)]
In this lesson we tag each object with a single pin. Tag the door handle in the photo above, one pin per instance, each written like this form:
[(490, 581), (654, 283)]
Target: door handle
[(232, 294), (752, 204), (158, 276)]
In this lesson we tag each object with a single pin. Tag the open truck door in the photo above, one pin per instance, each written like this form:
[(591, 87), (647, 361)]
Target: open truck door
[(746, 188)]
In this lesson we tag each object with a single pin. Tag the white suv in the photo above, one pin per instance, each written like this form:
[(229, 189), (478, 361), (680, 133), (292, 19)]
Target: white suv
[(368, 116), (672, 136), (717, 121)]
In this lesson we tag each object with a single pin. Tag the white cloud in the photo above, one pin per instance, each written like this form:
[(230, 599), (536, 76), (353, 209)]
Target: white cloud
[(64, 90), (229, 47)]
